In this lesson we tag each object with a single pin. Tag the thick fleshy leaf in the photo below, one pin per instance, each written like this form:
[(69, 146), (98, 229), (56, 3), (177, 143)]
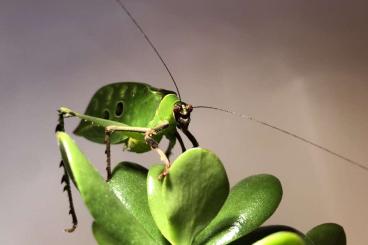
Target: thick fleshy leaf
[(103, 237), (129, 183), (103, 204), (281, 238), (251, 202), (189, 197), (265, 231), (327, 234)]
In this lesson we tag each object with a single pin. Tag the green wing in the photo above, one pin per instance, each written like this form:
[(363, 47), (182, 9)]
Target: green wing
[(134, 104)]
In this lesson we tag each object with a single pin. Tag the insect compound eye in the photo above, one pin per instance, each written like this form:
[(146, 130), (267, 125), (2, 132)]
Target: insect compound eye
[(189, 107), (119, 109), (177, 108), (106, 114)]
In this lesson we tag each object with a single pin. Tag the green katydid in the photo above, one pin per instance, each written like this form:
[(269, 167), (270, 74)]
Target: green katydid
[(134, 114), (139, 115)]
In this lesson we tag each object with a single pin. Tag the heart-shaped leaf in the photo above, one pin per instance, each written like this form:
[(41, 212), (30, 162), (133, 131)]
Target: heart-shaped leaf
[(189, 197), (251, 202), (327, 234), (103, 204)]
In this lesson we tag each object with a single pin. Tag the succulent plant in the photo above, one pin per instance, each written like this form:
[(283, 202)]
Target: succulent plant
[(193, 204)]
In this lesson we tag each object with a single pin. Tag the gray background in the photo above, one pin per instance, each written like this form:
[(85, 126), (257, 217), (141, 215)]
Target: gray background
[(301, 65)]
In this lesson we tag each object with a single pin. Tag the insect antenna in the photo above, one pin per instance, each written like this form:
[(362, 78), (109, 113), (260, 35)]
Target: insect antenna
[(251, 118), (122, 6)]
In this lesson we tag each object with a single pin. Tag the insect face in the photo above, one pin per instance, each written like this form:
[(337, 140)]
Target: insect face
[(182, 114)]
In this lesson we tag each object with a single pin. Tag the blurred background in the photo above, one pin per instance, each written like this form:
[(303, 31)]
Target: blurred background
[(300, 65)]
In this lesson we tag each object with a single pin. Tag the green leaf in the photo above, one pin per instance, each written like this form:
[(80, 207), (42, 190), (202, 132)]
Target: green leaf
[(281, 238), (129, 183), (265, 231), (103, 237), (251, 202), (189, 197), (103, 204), (327, 234)]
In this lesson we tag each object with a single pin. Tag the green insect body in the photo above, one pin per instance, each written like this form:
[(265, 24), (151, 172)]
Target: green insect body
[(133, 114), (133, 105)]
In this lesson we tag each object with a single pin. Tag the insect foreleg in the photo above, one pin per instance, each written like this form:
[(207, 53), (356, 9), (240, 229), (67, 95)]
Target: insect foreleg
[(190, 137), (178, 137), (149, 133), (172, 140)]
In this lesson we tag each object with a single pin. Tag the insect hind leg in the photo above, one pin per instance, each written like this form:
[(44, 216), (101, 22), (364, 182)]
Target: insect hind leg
[(108, 154), (191, 137), (172, 140), (65, 179)]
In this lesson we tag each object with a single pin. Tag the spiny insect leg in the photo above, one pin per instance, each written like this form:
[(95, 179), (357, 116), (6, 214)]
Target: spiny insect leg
[(65, 179), (60, 126)]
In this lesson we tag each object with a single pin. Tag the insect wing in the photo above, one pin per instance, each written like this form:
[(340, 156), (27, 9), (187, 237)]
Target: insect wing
[(133, 104)]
